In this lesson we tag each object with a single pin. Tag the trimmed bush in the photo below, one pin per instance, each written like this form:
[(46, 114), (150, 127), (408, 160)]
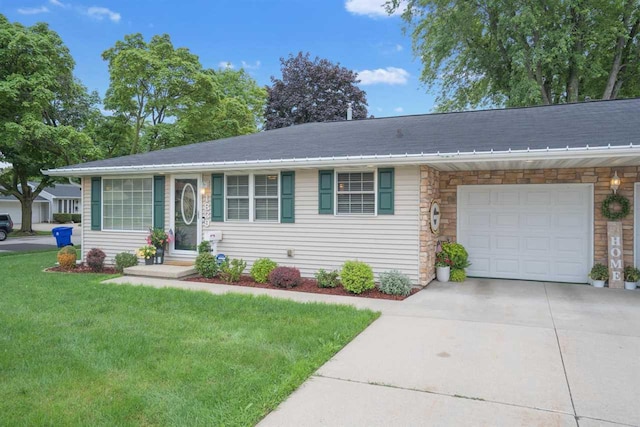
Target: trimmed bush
[(204, 247), (77, 218), (261, 269), (61, 218), (124, 260), (458, 275), (395, 283), (457, 254), (67, 257), (206, 265), (285, 277), (357, 276), (327, 279), (231, 270), (95, 259)]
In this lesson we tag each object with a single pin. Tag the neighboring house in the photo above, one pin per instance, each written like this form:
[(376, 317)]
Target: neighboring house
[(11, 205), (520, 188), (61, 198)]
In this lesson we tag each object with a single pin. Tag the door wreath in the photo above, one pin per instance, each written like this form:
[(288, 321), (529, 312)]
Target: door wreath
[(613, 200)]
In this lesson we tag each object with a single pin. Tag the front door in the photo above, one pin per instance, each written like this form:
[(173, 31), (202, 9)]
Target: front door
[(185, 215)]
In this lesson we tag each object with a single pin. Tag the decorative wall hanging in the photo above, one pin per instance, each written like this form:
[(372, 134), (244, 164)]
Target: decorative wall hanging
[(611, 201)]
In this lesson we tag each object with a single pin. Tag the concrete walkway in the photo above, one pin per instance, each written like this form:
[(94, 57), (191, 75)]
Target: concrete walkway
[(486, 352)]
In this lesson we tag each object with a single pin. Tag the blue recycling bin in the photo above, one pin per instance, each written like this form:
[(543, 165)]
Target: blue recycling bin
[(63, 236)]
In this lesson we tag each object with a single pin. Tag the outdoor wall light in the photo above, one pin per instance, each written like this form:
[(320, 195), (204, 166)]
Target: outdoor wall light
[(615, 182)]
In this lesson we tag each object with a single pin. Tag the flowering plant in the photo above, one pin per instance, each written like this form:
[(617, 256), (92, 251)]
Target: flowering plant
[(147, 251), (443, 260), (158, 237)]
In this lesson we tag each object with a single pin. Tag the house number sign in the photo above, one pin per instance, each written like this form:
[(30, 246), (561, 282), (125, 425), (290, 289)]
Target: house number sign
[(206, 211), (435, 216), (614, 237)]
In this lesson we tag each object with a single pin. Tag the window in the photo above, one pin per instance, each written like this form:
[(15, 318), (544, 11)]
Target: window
[(238, 197), (127, 204), (265, 197), (356, 193)]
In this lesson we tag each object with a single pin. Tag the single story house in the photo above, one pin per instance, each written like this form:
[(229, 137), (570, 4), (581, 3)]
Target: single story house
[(521, 188), (59, 198)]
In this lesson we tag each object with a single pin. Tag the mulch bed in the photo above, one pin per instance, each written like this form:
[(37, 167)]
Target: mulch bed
[(307, 285), (81, 268)]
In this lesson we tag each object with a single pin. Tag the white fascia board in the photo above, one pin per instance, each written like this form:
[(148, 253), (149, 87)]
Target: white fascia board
[(374, 160)]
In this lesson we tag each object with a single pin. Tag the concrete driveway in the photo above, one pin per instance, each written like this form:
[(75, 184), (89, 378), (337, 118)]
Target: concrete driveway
[(485, 352), (36, 243)]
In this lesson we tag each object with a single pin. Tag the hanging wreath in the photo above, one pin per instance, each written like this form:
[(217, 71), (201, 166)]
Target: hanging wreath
[(621, 212)]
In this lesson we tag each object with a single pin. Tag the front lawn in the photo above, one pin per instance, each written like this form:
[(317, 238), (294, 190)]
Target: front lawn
[(76, 352)]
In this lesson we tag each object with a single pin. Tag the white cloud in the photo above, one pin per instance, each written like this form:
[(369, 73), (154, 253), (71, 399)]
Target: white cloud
[(399, 48), (58, 3), (226, 64), (370, 8), (100, 13), (248, 66), (398, 109), (33, 10), (388, 76)]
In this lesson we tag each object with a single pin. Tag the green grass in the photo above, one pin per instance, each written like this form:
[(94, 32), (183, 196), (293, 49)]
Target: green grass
[(77, 352), (18, 234)]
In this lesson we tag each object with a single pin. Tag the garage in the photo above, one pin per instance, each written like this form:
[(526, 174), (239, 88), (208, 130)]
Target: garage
[(530, 232), (12, 207)]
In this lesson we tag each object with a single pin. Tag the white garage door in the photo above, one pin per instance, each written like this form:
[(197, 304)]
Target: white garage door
[(14, 209), (532, 232)]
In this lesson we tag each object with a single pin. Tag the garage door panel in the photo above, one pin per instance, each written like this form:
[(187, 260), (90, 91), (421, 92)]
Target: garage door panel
[(535, 232)]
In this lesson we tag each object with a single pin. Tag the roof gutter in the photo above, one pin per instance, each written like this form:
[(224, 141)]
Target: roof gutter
[(363, 160)]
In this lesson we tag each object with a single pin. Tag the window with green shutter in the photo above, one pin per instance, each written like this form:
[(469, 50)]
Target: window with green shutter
[(287, 196), (386, 191), (217, 197), (96, 203), (158, 202), (325, 192)]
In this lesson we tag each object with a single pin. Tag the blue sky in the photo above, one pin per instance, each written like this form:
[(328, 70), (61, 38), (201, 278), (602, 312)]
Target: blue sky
[(252, 34)]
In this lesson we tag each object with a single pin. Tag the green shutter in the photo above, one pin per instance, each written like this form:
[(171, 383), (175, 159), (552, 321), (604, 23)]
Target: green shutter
[(287, 196), (96, 203), (385, 191), (325, 192), (158, 202), (217, 197)]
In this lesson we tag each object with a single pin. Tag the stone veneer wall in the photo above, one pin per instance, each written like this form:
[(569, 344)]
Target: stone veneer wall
[(429, 191), (599, 177)]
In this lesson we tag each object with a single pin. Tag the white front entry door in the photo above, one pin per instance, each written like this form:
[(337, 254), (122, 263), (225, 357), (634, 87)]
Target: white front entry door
[(530, 232)]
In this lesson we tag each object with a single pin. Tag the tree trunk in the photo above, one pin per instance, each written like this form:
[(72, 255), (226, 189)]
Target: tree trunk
[(27, 209)]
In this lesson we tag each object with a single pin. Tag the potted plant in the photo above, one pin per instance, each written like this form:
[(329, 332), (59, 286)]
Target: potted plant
[(159, 238), (443, 266), (599, 274), (148, 252), (631, 277)]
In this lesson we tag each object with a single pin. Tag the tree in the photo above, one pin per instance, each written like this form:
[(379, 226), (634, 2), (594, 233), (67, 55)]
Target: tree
[(152, 84), (42, 111), (517, 52), (312, 91)]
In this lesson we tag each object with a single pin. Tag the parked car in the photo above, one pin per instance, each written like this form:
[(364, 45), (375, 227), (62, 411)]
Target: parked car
[(6, 225)]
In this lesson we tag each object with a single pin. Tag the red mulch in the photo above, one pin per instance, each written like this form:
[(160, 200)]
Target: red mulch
[(81, 268), (307, 285)]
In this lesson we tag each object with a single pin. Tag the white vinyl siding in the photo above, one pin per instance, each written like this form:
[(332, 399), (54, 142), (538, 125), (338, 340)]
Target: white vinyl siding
[(113, 242), (325, 241), (127, 204)]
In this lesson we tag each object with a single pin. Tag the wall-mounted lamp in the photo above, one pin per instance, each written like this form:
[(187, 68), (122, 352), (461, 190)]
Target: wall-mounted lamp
[(205, 187), (615, 182)]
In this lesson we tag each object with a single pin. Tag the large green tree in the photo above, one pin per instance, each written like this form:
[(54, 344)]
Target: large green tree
[(43, 110), (520, 52)]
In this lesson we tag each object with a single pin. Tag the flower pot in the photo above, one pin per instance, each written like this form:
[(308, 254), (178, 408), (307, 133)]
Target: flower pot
[(630, 285), (159, 255), (442, 273), (598, 283), (148, 261)]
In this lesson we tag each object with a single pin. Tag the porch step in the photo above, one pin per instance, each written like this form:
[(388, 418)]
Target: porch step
[(162, 271)]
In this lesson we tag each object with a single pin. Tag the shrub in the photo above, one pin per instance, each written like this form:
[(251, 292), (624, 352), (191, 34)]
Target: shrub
[(631, 274), (395, 283), (261, 269), (95, 259), (457, 254), (204, 247), (458, 275), (61, 218), (357, 277), (67, 257), (599, 272), (231, 270), (124, 260), (77, 218), (206, 265), (327, 279), (285, 277)]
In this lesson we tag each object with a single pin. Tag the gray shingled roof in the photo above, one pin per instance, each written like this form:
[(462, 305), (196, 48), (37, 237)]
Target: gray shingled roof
[(596, 123), (64, 191)]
